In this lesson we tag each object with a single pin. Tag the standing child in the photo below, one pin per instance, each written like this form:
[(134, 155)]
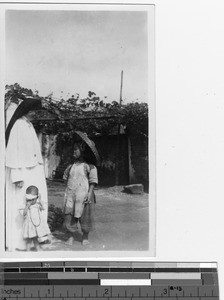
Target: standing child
[(81, 179), (35, 227)]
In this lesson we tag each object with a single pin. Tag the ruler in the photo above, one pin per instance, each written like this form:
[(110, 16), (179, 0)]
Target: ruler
[(108, 280)]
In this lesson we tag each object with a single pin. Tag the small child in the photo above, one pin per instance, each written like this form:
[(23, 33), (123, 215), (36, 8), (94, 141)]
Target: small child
[(81, 179), (35, 229)]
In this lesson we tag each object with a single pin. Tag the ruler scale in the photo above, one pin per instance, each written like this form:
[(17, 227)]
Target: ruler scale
[(108, 281)]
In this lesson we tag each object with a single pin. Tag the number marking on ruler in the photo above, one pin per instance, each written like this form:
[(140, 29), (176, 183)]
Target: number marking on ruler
[(140, 281)]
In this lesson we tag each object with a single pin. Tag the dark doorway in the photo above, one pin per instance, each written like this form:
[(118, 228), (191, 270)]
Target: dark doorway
[(113, 156)]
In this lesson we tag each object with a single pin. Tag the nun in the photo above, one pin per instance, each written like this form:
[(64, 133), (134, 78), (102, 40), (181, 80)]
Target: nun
[(24, 167)]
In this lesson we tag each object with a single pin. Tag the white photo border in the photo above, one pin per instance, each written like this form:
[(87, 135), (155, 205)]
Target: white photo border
[(87, 255)]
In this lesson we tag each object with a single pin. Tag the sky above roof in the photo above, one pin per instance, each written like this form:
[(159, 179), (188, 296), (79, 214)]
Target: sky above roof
[(69, 52)]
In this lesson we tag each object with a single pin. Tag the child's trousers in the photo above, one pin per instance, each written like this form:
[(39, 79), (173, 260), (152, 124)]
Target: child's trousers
[(86, 220)]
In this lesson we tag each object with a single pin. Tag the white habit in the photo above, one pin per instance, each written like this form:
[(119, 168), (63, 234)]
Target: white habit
[(23, 163)]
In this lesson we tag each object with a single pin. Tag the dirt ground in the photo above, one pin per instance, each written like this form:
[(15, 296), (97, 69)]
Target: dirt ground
[(121, 221)]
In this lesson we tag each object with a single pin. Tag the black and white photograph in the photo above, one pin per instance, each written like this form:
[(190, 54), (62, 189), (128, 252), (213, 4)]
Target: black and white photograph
[(78, 122)]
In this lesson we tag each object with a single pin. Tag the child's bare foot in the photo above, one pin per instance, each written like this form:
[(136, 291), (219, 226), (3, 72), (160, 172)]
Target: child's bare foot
[(39, 248), (70, 241), (29, 246), (85, 242)]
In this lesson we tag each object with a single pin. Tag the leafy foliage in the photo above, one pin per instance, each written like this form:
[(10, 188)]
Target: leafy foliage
[(91, 115), (55, 217), (15, 92), (135, 118)]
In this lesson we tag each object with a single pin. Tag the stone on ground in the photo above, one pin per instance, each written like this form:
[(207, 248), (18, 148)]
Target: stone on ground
[(134, 189)]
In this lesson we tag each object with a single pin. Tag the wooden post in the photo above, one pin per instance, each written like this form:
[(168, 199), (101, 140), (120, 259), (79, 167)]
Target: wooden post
[(117, 165), (121, 87)]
